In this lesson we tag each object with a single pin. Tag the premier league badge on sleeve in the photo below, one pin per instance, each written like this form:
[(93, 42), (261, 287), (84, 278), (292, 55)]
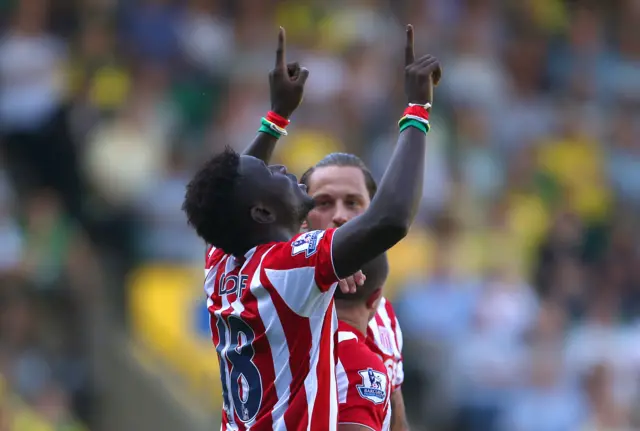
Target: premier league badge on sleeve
[(307, 243), (374, 386)]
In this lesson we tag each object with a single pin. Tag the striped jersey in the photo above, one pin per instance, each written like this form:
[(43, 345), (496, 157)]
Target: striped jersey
[(273, 325), (385, 334), (364, 386)]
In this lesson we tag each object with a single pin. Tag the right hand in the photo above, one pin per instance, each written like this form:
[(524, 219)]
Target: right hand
[(420, 76), (350, 284), (286, 82)]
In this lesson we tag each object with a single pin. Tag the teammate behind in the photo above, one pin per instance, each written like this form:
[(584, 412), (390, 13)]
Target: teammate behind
[(342, 188), (364, 385), (270, 289)]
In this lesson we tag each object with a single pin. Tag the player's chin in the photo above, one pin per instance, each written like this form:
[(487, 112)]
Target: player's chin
[(305, 206)]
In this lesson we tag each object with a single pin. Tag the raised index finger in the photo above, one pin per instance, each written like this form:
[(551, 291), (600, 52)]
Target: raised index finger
[(280, 62), (409, 56)]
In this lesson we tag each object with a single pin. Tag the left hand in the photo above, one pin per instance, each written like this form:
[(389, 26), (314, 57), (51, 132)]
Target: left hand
[(286, 82), (350, 284)]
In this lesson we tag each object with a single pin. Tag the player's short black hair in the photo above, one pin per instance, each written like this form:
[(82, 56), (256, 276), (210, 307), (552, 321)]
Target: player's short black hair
[(210, 202), (376, 271), (347, 160)]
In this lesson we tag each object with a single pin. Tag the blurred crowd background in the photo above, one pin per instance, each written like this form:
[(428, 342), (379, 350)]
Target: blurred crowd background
[(518, 290)]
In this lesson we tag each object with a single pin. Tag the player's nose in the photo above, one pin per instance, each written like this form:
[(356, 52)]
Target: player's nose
[(281, 169), (339, 220)]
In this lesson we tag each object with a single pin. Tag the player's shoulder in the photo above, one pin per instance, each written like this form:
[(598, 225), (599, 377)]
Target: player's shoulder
[(213, 256), (356, 355), (298, 250), (386, 308), (365, 372)]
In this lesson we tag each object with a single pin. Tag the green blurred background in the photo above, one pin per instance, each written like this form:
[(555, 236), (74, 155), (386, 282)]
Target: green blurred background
[(518, 289)]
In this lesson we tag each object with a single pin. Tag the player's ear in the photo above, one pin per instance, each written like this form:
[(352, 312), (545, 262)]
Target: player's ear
[(304, 227), (374, 299), (263, 215)]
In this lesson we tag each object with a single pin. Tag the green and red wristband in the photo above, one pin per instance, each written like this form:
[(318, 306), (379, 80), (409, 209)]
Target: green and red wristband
[(274, 125), (416, 115)]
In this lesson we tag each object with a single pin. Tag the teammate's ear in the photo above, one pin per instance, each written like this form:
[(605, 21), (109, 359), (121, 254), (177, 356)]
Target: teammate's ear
[(262, 215), (374, 299), (304, 227)]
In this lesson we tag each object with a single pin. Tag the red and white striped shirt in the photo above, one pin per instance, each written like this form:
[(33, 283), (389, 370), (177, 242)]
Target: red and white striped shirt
[(273, 323), (364, 387), (385, 334)]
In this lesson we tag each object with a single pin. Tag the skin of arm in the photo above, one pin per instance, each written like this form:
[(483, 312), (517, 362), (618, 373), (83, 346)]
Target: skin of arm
[(391, 212), (398, 414), (286, 87), (388, 218), (262, 147)]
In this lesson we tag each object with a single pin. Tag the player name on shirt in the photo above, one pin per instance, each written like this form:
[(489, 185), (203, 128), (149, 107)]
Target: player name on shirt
[(273, 324)]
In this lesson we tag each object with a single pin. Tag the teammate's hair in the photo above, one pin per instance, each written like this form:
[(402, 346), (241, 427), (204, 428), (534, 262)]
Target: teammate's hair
[(210, 202), (347, 160), (376, 271)]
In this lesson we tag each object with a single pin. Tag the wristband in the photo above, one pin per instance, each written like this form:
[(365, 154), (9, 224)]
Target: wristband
[(424, 128), (267, 130), (417, 112), (415, 116), (277, 119), (425, 106), (273, 128)]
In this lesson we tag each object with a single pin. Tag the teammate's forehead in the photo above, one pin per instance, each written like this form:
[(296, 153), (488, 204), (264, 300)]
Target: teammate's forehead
[(338, 179)]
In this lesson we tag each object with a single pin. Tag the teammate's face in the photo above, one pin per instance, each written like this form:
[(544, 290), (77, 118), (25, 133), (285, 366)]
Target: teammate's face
[(273, 193), (340, 194), (373, 307)]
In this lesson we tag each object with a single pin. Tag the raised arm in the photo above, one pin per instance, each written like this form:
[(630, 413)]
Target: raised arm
[(286, 84), (388, 218)]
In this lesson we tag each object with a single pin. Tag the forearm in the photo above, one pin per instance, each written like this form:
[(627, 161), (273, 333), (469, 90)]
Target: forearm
[(398, 413), (391, 212), (262, 147), (400, 191)]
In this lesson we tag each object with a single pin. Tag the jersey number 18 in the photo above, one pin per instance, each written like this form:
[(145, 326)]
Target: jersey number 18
[(243, 381)]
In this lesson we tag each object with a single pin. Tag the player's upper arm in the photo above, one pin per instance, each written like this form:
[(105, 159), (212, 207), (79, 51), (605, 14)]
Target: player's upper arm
[(363, 238), (301, 270), (359, 414), (309, 252), (354, 427), (363, 389)]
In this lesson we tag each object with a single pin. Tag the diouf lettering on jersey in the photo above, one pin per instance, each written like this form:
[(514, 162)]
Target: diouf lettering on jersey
[(272, 324), (373, 387), (307, 243)]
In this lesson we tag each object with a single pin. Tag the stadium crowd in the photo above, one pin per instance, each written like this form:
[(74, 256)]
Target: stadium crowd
[(519, 290)]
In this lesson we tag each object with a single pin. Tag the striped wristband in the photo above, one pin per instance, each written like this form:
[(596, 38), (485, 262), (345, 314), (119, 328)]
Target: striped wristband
[(274, 125), (415, 116)]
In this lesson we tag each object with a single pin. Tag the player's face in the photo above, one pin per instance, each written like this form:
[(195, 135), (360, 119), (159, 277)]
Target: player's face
[(373, 308), (339, 193), (275, 191)]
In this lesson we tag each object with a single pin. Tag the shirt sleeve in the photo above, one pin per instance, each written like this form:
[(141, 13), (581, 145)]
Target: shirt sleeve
[(309, 252), (212, 257), (361, 414), (399, 375), (363, 392)]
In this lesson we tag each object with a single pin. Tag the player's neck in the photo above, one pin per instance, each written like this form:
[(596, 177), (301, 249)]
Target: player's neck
[(354, 317), (275, 234)]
